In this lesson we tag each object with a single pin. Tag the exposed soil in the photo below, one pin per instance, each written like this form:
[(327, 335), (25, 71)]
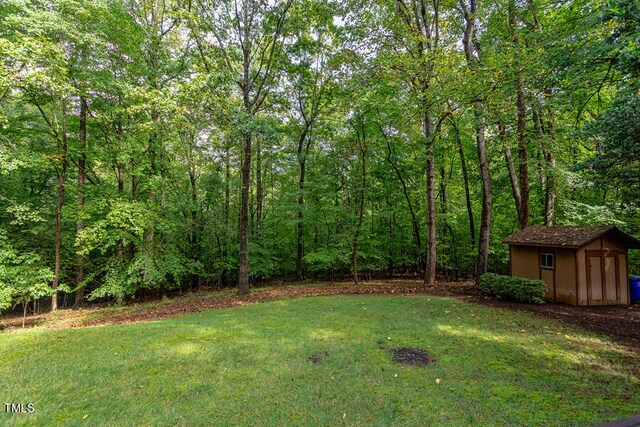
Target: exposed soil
[(410, 356), (318, 357), (208, 300), (621, 323)]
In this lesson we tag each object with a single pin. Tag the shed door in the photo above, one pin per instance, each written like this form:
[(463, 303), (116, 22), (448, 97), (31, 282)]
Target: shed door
[(594, 266), (611, 279), (602, 277)]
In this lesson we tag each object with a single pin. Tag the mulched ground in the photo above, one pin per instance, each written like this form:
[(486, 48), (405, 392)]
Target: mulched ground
[(621, 323)]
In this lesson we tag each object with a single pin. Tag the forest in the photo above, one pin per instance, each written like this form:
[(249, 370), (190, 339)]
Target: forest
[(149, 146)]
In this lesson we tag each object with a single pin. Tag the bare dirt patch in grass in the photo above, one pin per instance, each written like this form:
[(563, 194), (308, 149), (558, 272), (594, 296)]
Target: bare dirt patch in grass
[(411, 356), (318, 357)]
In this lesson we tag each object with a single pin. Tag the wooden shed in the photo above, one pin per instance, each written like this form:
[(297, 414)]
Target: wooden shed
[(580, 265)]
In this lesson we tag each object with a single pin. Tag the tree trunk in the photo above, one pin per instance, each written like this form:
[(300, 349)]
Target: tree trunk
[(246, 45), (62, 172), (302, 160), (154, 146), (134, 180), (363, 153), (227, 195), (522, 158), (444, 224), (302, 153), (487, 194), (523, 167), (469, 43), (153, 201), (550, 191), (81, 180), (120, 173), (465, 178), (513, 178), (194, 241), (414, 221), (546, 143), (194, 205), (153, 195), (243, 279), (25, 304), (300, 226), (430, 269), (422, 21), (134, 195), (259, 190), (120, 176)]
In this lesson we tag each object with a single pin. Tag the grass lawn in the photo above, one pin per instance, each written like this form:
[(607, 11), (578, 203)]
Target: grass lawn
[(250, 366)]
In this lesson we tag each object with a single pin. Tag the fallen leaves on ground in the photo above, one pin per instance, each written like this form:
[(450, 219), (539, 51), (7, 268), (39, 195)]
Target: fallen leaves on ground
[(622, 323)]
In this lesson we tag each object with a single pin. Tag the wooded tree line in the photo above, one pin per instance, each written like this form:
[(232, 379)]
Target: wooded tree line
[(170, 144)]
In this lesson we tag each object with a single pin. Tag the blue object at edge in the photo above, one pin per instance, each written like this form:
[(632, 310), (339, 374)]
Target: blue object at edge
[(634, 284)]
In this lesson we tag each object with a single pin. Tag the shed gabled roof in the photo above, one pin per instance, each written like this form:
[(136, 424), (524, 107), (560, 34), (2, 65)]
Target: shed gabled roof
[(568, 237)]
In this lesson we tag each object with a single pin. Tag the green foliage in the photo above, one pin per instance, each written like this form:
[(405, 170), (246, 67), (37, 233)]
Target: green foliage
[(146, 270), (163, 153), (626, 33), (529, 291), (23, 276), (577, 213), (617, 159), (332, 258)]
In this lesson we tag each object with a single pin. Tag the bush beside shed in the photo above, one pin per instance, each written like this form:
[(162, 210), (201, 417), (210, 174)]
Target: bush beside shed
[(580, 265)]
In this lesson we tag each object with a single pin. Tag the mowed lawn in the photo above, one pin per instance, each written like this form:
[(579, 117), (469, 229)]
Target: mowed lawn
[(250, 366)]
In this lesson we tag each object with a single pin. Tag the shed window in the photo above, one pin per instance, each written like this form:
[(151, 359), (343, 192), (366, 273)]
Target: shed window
[(547, 260)]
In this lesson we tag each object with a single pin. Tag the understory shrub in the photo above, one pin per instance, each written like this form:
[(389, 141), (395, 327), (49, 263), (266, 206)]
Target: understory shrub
[(519, 289), (23, 276)]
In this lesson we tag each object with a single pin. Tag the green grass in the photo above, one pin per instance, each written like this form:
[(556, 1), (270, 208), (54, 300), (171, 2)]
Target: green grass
[(249, 366)]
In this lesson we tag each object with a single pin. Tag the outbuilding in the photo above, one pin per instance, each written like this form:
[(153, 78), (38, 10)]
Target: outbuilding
[(580, 265)]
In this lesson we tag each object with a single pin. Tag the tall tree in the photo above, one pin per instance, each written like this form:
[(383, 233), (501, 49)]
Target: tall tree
[(421, 20), (247, 34), (523, 165), (465, 179), (310, 76), (82, 176), (359, 127), (471, 47)]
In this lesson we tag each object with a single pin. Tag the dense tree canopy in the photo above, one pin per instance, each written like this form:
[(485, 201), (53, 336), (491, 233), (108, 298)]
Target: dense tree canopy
[(170, 144)]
